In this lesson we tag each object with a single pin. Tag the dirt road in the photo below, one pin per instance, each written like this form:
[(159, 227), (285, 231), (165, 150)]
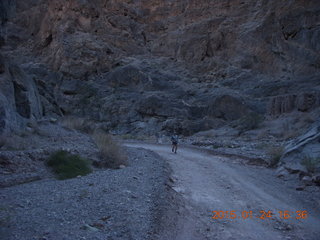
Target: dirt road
[(210, 183)]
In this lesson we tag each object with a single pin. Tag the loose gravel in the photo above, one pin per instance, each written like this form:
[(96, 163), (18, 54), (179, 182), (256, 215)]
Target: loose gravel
[(107, 204)]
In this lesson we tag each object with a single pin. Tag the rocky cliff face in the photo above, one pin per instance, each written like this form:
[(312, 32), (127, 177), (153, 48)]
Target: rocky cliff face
[(147, 66)]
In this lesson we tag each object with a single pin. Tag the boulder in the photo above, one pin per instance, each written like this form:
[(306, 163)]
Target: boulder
[(161, 106), (312, 136), (307, 180), (227, 107), (293, 167), (127, 76), (19, 98), (282, 172), (316, 179), (154, 48)]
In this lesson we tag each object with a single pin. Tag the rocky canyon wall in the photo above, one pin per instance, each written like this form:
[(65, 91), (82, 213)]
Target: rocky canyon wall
[(110, 59)]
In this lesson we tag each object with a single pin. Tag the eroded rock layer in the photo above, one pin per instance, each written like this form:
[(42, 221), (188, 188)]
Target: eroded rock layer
[(137, 65)]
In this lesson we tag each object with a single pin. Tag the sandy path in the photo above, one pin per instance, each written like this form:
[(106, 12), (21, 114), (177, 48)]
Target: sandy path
[(213, 183)]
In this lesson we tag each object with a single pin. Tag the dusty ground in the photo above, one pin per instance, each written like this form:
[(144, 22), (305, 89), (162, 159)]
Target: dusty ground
[(138, 202), (211, 183), (107, 204)]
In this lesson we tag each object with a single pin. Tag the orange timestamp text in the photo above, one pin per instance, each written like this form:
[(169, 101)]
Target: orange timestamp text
[(300, 214)]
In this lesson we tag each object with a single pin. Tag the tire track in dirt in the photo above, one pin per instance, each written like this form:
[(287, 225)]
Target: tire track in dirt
[(214, 183)]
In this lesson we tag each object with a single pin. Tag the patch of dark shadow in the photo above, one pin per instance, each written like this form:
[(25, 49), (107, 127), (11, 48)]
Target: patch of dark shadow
[(64, 112), (69, 92), (209, 51), (144, 38), (7, 9), (219, 47), (117, 64), (2, 66), (290, 35), (109, 51), (4, 161), (2, 41), (21, 100), (2, 119), (13, 39), (47, 41), (315, 65), (111, 23)]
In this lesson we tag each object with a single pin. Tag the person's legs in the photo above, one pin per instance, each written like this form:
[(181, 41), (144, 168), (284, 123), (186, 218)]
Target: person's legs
[(174, 148)]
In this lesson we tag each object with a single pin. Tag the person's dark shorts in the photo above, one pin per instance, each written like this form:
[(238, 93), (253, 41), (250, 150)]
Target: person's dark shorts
[(174, 143)]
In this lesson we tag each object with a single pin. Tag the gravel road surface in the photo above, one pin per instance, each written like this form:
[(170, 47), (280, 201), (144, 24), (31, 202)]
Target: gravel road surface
[(213, 183)]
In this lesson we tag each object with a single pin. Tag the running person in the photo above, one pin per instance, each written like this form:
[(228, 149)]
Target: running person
[(174, 140)]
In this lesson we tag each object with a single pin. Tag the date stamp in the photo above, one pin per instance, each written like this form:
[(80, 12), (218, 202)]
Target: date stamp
[(263, 214)]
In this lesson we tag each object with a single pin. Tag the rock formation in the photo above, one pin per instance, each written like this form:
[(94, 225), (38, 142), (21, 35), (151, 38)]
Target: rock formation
[(19, 96), (147, 66)]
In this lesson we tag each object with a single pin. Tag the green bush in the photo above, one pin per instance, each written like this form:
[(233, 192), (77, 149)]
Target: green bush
[(66, 165)]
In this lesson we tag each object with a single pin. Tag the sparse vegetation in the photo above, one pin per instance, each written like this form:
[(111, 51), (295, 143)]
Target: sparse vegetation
[(289, 130), (35, 128), (310, 163), (66, 165), (249, 122), (275, 152), (73, 122), (308, 120), (77, 123), (290, 134), (16, 143), (110, 151), (128, 137)]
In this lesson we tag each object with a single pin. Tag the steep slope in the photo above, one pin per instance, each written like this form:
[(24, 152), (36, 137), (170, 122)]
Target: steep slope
[(112, 60)]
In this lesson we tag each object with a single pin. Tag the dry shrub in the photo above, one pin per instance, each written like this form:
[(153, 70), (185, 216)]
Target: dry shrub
[(16, 142), (289, 130), (111, 154), (290, 134), (73, 122), (310, 163), (128, 137), (78, 123), (275, 152), (308, 119), (250, 121)]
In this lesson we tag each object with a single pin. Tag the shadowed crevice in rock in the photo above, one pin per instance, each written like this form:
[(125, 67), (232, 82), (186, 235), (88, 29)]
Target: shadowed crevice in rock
[(2, 119), (21, 100)]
